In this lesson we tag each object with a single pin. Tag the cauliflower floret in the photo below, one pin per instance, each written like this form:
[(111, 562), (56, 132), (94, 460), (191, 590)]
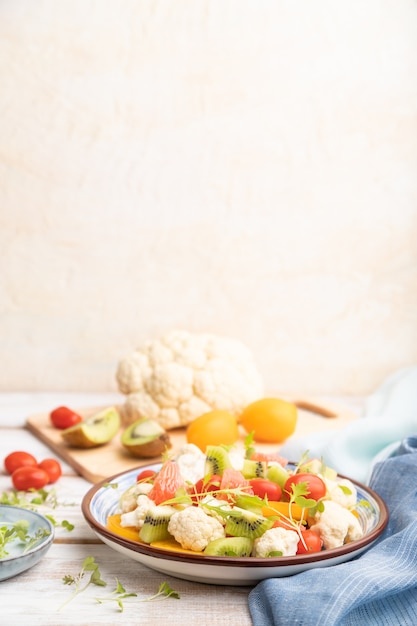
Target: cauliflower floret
[(346, 498), (133, 371), (276, 540), (128, 500), (191, 461), (215, 503), (336, 525), (182, 375), (191, 409), (237, 459), (170, 384), (139, 404), (136, 516), (193, 529)]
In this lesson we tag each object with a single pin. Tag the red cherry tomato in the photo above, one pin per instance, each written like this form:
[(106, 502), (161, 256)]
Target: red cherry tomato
[(145, 474), (310, 542), (316, 488), (53, 468), (263, 487), (29, 477), (17, 459), (63, 417), (204, 486)]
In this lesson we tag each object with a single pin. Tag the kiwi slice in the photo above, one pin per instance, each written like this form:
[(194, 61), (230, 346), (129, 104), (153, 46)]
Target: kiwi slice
[(230, 546), (247, 524), (254, 469), (277, 474), (145, 438), (155, 524), (217, 460), (93, 431)]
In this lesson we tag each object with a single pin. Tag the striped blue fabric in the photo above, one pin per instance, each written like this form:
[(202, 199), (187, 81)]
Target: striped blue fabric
[(379, 588)]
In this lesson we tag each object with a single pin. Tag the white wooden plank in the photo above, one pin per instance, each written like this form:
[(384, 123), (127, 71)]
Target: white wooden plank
[(35, 596)]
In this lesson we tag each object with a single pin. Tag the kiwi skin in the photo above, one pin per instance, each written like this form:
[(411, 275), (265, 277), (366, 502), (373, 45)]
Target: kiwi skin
[(150, 449), (145, 439), (230, 546)]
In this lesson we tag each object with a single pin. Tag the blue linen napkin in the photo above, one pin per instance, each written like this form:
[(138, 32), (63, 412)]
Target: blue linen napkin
[(379, 588), (390, 415)]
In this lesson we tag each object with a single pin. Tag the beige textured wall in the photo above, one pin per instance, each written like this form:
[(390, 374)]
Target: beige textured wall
[(240, 167)]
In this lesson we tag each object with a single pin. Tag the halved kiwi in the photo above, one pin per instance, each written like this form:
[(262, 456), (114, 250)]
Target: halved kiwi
[(93, 431), (145, 438)]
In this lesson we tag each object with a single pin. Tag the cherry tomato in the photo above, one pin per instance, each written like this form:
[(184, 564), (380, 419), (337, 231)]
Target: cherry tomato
[(63, 417), (53, 468), (312, 542), (316, 488), (263, 487), (17, 459), (145, 474), (204, 486), (29, 477)]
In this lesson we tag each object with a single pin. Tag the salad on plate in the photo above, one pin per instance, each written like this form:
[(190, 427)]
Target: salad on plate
[(239, 503)]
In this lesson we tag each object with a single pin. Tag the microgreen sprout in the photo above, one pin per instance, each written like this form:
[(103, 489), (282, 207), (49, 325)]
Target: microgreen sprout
[(19, 532), (164, 591), (89, 565), (303, 459), (35, 500), (118, 595), (298, 496), (248, 443), (345, 490)]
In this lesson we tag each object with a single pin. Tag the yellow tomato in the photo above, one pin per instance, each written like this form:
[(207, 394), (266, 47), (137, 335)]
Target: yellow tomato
[(271, 420), (213, 429)]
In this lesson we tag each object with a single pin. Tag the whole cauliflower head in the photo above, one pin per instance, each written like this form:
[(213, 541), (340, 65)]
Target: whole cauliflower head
[(182, 375)]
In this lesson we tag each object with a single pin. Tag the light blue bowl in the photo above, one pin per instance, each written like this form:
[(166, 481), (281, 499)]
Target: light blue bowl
[(18, 560)]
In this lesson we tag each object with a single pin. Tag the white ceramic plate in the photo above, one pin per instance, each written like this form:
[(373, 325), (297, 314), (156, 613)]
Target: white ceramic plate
[(102, 500), (18, 559)]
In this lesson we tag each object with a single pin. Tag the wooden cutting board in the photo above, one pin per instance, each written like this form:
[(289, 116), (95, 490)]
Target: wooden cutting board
[(97, 464)]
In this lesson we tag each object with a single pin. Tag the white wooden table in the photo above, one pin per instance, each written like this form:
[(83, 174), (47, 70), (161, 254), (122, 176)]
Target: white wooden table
[(35, 596)]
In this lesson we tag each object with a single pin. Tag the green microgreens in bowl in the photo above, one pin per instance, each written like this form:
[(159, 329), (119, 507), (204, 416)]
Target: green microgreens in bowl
[(18, 531), (35, 500)]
